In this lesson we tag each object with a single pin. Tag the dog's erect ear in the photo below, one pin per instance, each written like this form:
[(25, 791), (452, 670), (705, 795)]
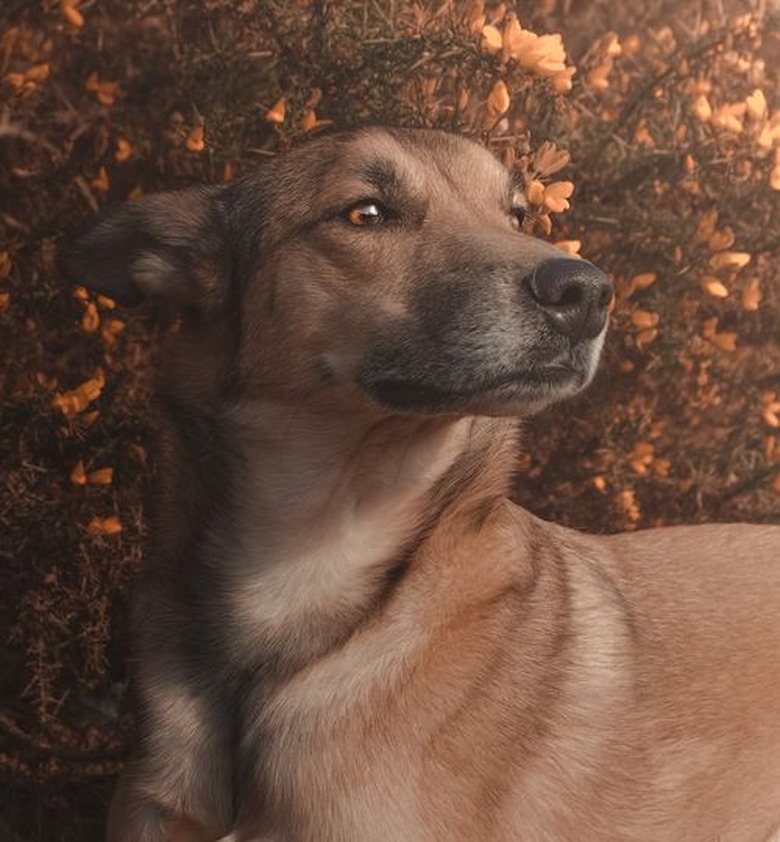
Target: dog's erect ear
[(171, 245)]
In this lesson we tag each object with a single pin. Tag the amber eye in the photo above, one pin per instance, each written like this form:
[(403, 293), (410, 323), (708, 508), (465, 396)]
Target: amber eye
[(517, 217), (366, 213)]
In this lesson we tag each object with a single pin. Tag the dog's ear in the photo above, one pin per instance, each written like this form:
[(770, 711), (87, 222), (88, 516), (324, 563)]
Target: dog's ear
[(170, 245)]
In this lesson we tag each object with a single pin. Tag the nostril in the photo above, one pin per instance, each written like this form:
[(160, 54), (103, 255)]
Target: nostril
[(573, 294)]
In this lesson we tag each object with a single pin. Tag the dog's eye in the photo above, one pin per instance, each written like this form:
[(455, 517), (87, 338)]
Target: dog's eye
[(517, 217), (366, 213)]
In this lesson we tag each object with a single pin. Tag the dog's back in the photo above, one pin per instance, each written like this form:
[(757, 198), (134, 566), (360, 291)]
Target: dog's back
[(704, 608)]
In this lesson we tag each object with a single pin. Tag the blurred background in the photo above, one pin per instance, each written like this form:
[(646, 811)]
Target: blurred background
[(648, 135)]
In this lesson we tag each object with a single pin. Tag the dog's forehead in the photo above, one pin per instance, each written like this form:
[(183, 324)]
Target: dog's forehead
[(328, 174), (425, 160)]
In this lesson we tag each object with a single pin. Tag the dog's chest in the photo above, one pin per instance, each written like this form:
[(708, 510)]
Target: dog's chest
[(324, 572), (328, 751)]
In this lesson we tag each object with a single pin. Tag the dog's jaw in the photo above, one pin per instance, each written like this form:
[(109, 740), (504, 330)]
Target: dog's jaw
[(520, 392)]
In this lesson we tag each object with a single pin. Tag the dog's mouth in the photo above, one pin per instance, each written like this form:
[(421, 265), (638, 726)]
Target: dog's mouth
[(521, 392)]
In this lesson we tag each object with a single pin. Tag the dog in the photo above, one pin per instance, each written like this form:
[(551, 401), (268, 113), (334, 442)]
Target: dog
[(345, 630)]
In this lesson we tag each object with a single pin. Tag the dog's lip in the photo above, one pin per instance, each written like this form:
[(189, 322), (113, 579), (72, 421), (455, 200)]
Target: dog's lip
[(409, 392)]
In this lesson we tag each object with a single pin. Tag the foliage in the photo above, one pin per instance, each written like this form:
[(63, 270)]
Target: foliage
[(664, 138)]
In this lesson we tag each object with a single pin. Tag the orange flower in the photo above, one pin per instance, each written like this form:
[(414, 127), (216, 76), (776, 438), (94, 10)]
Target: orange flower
[(309, 121), (27, 82), (70, 11), (196, 141), (77, 475), (562, 82), (720, 240), (770, 411), (730, 259), (37, 73), (534, 192), (706, 226), (90, 321), (543, 55), (774, 177), (751, 295), (556, 196), (104, 526), (544, 224), (77, 400), (101, 182), (498, 100), (729, 117), (725, 341), (756, 105), (124, 150), (642, 456), (712, 286), (491, 39), (642, 281), (101, 476), (644, 318), (106, 92), (277, 113), (701, 108), (598, 77), (628, 503), (548, 159), (646, 336)]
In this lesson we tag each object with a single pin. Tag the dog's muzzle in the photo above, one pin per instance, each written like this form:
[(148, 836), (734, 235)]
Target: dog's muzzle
[(534, 341)]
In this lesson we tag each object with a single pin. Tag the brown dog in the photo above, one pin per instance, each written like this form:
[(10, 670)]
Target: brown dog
[(346, 631)]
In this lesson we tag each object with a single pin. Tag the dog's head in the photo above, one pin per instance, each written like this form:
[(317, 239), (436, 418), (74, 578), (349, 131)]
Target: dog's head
[(379, 266)]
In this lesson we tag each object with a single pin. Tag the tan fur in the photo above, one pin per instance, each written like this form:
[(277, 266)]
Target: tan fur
[(346, 631)]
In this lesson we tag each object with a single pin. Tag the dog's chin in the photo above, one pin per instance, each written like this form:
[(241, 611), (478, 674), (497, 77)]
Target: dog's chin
[(521, 394)]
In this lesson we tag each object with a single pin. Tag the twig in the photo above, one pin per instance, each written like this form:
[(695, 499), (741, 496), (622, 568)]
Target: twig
[(749, 484), (9, 129), (87, 193)]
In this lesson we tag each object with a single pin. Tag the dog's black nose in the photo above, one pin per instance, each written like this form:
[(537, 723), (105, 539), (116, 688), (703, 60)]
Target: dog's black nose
[(574, 295)]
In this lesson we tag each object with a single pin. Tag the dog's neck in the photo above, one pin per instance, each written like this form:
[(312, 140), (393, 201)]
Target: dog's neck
[(327, 509)]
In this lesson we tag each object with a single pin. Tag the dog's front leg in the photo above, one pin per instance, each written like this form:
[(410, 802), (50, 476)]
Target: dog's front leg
[(131, 816), (135, 817), (178, 788)]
